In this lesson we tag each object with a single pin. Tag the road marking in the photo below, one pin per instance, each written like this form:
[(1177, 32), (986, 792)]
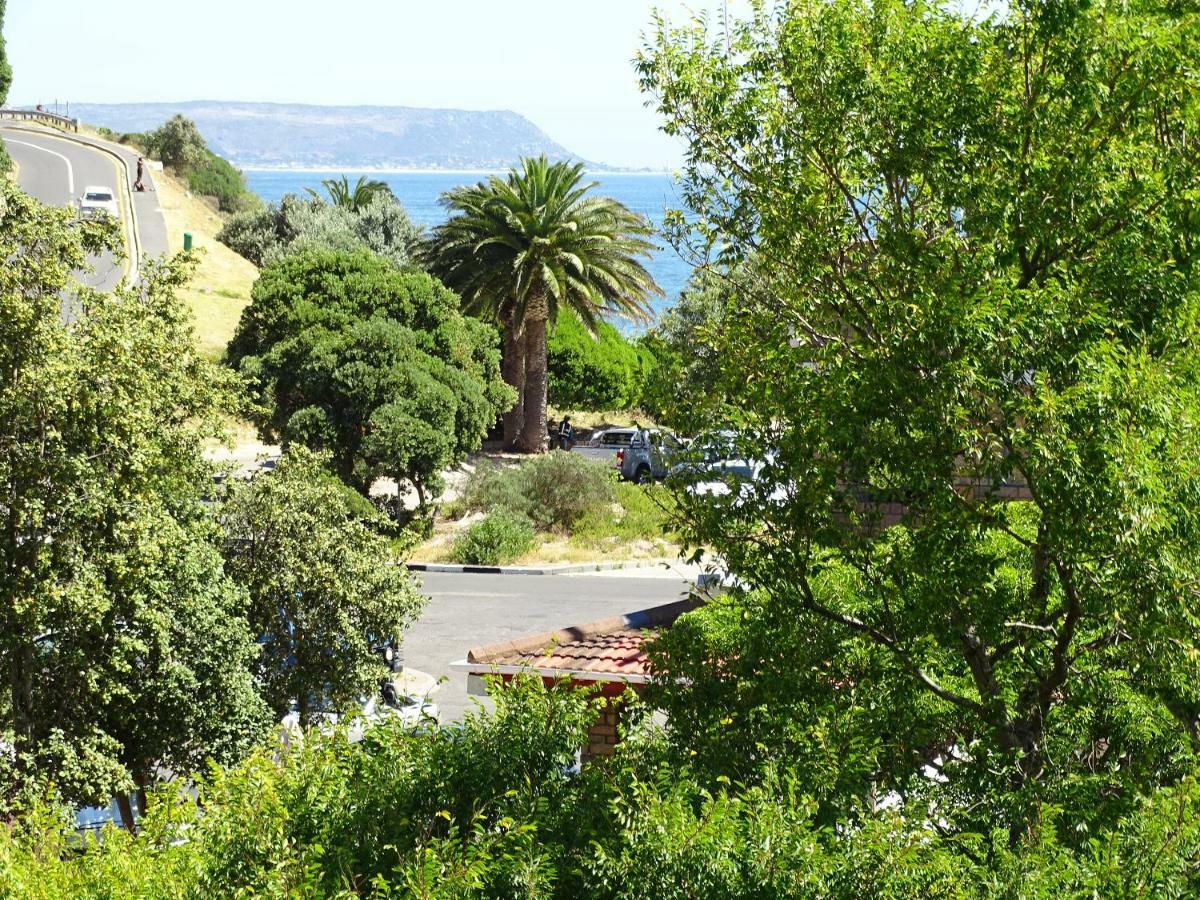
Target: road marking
[(70, 171)]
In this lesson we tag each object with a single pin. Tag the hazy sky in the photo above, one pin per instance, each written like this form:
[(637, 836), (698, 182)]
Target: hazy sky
[(566, 64)]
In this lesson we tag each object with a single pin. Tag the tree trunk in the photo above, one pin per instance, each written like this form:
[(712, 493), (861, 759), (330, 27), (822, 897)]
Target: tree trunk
[(141, 779), (533, 432), (512, 370), (126, 809)]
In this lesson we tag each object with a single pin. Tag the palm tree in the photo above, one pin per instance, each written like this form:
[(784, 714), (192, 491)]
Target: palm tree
[(520, 247), (353, 198)]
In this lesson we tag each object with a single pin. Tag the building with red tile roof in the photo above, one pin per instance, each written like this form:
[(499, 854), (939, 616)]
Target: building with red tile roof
[(609, 654)]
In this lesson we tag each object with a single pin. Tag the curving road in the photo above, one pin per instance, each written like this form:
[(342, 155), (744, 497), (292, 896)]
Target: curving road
[(55, 168)]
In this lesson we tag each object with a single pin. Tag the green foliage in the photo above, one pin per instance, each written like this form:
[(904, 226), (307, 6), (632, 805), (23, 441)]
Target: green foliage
[(124, 646), (356, 198), (5, 66), (520, 249), (216, 177), (177, 143), (347, 354), (296, 224), (180, 146), (692, 378), (601, 372), (638, 512), (941, 303), (326, 593), (499, 538), (553, 491), (492, 809)]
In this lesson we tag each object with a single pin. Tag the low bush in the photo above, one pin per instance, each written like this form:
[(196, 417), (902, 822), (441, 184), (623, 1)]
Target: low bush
[(216, 177), (499, 538), (639, 513), (265, 234), (553, 491)]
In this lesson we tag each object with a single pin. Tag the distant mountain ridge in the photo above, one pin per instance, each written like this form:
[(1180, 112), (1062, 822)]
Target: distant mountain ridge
[(294, 136)]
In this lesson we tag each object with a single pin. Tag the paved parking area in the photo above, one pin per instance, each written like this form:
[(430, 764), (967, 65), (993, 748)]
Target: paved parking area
[(466, 611)]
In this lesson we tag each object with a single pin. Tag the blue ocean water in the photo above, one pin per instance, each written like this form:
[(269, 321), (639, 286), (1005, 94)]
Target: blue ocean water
[(648, 195)]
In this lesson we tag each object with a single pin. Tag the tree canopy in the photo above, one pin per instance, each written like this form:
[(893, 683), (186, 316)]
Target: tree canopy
[(123, 647), (356, 198), (327, 596), (346, 353), (522, 247), (297, 223), (972, 316)]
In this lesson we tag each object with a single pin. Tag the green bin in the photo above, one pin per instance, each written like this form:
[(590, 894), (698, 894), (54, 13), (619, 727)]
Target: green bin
[(187, 240)]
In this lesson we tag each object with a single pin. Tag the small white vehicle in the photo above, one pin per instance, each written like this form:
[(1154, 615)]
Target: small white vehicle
[(98, 201), (412, 712)]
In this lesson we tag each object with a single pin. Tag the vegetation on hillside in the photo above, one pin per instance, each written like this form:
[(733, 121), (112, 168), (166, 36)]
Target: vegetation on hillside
[(178, 144), (297, 224), (521, 248), (959, 656)]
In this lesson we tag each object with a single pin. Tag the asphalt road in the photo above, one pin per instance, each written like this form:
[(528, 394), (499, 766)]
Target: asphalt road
[(56, 169), (466, 611)]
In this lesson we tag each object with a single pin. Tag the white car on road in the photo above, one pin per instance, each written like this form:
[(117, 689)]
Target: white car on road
[(98, 201)]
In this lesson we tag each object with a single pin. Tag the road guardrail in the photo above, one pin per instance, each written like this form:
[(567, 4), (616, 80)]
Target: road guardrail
[(36, 115)]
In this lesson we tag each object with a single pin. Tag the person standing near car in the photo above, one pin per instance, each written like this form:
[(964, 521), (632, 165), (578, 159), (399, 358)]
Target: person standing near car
[(566, 434)]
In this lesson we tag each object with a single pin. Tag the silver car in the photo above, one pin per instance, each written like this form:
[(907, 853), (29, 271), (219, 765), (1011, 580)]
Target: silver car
[(649, 456)]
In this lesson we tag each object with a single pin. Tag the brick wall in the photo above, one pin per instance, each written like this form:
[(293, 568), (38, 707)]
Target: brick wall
[(602, 735)]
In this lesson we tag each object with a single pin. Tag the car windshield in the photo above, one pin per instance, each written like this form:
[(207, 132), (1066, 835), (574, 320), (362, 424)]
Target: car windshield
[(94, 195), (620, 438)]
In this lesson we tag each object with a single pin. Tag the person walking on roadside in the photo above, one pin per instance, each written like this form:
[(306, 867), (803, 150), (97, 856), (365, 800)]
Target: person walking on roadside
[(566, 434), (141, 167)]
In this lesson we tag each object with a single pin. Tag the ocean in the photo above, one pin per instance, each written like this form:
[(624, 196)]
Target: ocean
[(419, 192)]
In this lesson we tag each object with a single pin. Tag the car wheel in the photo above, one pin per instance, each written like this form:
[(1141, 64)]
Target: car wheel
[(642, 475)]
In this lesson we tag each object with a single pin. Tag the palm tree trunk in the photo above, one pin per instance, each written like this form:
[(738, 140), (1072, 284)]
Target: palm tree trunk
[(533, 431), (512, 370)]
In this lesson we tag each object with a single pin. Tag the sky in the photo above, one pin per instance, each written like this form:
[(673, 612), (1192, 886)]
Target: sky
[(564, 64)]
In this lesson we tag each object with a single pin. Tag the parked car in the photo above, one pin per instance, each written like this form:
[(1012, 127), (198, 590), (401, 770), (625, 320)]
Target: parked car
[(603, 445), (98, 202), (650, 455)]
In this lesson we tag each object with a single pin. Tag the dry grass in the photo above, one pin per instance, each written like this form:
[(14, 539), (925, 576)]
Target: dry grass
[(589, 421), (220, 289)]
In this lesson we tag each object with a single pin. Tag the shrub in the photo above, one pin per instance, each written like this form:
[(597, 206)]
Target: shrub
[(498, 538), (600, 372), (216, 177), (643, 516), (560, 487), (297, 223), (552, 491), (178, 143)]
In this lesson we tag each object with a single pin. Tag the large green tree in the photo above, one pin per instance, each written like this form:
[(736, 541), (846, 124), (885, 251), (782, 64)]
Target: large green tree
[(521, 247), (5, 65), (975, 243), (346, 353), (327, 595), (123, 645)]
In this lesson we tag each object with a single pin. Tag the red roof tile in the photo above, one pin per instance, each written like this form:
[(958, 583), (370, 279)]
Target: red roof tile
[(608, 650)]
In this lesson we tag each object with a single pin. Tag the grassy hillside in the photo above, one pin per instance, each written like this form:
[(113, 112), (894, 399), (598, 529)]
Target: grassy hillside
[(221, 287)]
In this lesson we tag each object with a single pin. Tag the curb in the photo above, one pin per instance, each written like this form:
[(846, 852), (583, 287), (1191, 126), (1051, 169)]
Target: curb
[(564, 569), (135, 237)]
